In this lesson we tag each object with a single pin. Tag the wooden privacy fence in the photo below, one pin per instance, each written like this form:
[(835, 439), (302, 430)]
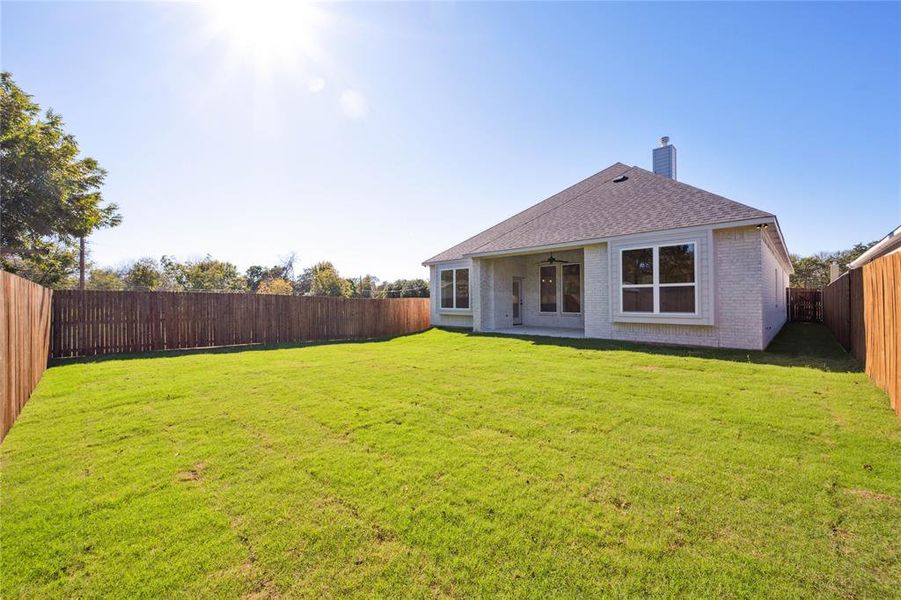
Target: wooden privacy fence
[(91, 323), (863, 310), (24, 342), (805, 304)]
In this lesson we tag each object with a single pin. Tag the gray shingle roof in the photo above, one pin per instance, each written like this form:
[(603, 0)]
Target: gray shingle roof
[(598, 207)]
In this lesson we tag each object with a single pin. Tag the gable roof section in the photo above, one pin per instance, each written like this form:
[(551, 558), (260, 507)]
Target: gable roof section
[(598, 208), (530, 214)]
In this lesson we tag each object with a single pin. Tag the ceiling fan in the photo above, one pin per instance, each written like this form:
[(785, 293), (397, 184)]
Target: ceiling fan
[(550, 260)]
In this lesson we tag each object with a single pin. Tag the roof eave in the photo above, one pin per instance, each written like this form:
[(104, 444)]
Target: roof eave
[(894, 237), (763, 219)]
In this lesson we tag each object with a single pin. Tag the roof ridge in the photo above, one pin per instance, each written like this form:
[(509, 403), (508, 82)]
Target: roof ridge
[(562, 204)]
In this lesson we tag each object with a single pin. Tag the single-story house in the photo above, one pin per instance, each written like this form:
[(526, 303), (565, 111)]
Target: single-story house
[(626, 254)]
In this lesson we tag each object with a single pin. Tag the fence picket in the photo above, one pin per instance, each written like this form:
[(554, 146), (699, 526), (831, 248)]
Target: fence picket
[(25, 313), (863, 309), (91, 323)]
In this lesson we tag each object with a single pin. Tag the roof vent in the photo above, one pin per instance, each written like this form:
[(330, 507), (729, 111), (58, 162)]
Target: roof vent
[(664, 158), (619, 179)]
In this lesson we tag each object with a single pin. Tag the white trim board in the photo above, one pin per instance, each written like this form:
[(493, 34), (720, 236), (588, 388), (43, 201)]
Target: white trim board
[(576, 244)]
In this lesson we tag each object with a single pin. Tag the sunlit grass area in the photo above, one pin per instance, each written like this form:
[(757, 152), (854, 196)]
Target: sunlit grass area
[(452, 464)]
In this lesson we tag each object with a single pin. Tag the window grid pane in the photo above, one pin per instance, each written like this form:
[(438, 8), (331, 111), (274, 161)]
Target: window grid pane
[(638, 266), (677, 263), (462, 292), (638, 299), (677, 299), (572, 288), (447, 289)]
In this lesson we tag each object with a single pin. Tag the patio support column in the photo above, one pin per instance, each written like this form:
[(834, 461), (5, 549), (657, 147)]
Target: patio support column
[(597, 292), (477, 294)]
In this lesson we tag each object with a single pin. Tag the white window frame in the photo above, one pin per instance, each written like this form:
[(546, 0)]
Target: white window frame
[(559, 288), (656, 285), (454, 289)]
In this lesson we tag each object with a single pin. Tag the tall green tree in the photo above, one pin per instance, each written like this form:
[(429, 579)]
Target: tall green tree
[(257, 275), (50, 195), (145, 274), (813, 271), (325, 281), (406, 288), (365, 286), (104, 279), (206, 274)]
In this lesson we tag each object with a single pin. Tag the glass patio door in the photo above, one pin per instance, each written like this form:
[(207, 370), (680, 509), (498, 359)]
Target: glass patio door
[(517, 301)]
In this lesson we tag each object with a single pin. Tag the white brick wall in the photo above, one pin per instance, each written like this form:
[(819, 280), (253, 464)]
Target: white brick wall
[(597, 294), (737, 297), (737, 289), (775, 280)]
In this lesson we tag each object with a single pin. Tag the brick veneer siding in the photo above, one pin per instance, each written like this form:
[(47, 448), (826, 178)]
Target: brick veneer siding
[(775, 280), (738, 289), (745, 309)]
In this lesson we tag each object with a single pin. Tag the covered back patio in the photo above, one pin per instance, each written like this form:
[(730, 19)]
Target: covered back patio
[(531, 294)]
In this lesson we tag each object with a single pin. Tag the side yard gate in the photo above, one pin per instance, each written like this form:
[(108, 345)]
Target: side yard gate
[(805, 304)]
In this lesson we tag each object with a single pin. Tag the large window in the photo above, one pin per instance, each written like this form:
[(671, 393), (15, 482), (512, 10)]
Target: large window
[(548, 288), (659, 279), (572, 288), (455, 288)]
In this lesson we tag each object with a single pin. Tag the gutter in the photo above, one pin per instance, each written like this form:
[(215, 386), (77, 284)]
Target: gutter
[(603, 240), (881, 247)]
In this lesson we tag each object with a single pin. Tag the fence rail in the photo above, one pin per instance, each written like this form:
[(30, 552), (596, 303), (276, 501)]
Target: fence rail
[(863, 310), (24, 341), (91, 323)]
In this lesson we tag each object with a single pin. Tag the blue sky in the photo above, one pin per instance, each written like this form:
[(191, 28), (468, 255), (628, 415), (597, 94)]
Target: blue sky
[(377, 135)]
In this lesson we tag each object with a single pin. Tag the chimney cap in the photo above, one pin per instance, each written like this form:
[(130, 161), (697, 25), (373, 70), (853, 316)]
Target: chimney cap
[(664, 141)]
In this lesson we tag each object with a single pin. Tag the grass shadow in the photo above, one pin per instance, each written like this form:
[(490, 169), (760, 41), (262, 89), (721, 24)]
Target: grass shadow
[(809, 345), (55, 362)]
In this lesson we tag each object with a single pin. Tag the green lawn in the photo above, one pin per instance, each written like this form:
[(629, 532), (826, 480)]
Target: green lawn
[(451, 464)]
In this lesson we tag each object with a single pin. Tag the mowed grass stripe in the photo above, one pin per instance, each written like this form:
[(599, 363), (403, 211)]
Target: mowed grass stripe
[(451, 464)]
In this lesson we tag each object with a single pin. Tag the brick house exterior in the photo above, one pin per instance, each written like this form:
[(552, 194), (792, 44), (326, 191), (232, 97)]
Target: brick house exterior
[(626, 255)]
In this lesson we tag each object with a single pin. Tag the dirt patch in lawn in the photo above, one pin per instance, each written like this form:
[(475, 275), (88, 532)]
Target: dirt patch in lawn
[(193, 474), (871, 495)]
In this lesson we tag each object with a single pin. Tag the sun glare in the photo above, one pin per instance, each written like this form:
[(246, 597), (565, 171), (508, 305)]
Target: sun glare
[(269, 31)]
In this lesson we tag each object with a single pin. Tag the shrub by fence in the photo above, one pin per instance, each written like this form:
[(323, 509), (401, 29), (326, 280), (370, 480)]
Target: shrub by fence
[(24, 340), (863, 310), (91, 323)]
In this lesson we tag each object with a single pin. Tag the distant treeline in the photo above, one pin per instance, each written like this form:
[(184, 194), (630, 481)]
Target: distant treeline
[(210, 274), (813, 271)]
